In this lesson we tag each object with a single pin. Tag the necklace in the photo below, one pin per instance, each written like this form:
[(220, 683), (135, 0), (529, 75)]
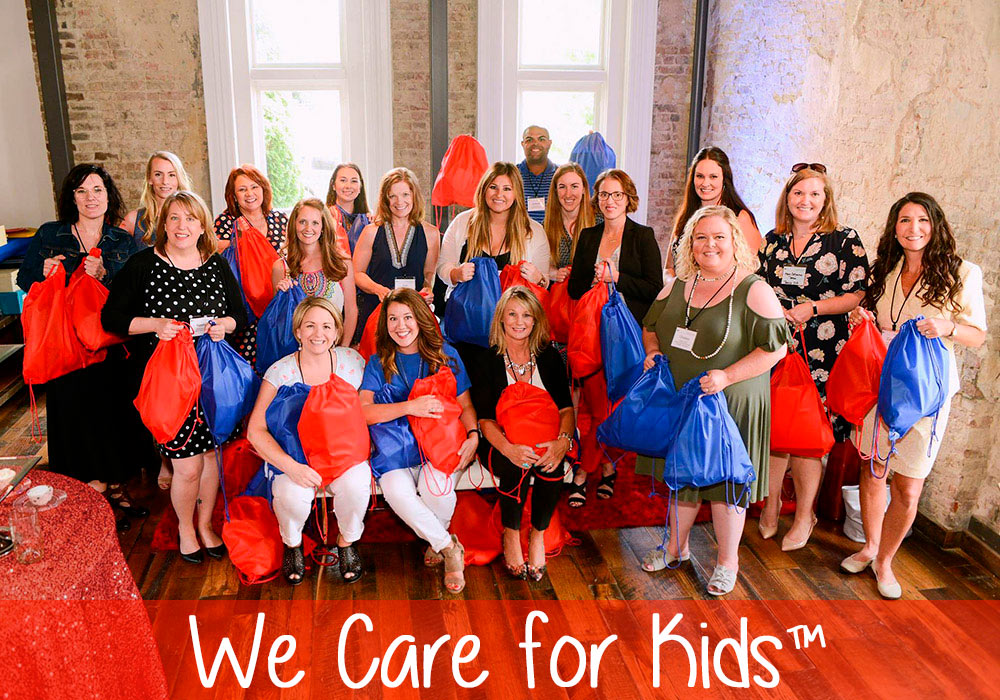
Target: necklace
[(892, 301), (714, 279), (729, 316), (520, 369)]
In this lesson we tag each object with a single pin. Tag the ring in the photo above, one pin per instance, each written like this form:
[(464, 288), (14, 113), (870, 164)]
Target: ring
[(525, 464)]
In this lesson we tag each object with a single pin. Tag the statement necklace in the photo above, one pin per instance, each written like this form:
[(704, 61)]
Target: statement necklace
[(520, 369)]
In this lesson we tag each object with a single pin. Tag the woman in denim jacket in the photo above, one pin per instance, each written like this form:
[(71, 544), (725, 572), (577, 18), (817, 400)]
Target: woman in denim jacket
[(90, 420)]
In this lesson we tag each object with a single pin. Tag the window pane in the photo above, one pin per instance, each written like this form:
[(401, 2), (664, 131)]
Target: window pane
[(561, 32), (302, 142), (304, 31), (567, 115)]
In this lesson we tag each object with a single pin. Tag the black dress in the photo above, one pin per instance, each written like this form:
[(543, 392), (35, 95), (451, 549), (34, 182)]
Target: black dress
[(387, 264), (150, 287)]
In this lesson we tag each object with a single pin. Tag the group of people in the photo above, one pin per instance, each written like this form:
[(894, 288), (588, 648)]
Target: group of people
[(727, 304)]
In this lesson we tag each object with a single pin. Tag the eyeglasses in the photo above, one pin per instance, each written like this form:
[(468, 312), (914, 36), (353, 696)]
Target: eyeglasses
[(617, 196), (818, 167)]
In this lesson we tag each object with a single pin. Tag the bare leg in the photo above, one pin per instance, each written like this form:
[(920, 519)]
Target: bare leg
[(728, 523), (512, 554), (872, 493), (183, 495), (536, 548), (806, 473), (208, 490), (898, 519), (776, 476), (680, 530)]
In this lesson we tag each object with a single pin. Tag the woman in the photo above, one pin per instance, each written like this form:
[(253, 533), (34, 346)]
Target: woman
[(348, 205), (319, 329), (312, 260), (710, 182), (621, 251), (740, 334), (818, 269), (180, 280), (399, 250), (165, 175), (568, 210), (520, 352), (248, 204), (917, 272), (82, 405), (409, 347)]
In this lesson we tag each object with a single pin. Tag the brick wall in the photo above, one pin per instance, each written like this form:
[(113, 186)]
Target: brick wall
[(411, 89), (463, 16)]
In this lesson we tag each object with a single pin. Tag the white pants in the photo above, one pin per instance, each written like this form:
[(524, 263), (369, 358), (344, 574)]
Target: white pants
[(419, 505), (350, 492)]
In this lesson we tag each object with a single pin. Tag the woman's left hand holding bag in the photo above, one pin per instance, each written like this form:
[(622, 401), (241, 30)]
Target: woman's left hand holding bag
[(94, 266)]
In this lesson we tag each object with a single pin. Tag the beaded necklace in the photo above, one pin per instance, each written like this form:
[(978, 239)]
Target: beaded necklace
[(729, 315)]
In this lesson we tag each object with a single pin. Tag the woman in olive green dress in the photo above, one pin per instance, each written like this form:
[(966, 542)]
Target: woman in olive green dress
[(719, 318)]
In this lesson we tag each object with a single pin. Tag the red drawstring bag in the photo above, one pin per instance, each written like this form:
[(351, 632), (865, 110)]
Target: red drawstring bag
[(461, 169), (559, 310), (252, 537), (584, 346), (86, 298), (528, 415), (333, 430), (852, 388), (171, 385), (439, 439), (239, 464), (367, 345), (511, 276), (799, 424), (256, 257)]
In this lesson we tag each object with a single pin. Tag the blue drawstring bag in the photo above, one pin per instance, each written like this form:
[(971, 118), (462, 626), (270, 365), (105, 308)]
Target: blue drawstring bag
[(594, 155), (646, 420), (621, 345), (393, 443), (913, 385), (232, 256), (229, 386), (282, 419), (275, 338), (470, 307)]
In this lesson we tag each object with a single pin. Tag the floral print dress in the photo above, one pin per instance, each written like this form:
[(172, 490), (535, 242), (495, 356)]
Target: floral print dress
[(835, 263)]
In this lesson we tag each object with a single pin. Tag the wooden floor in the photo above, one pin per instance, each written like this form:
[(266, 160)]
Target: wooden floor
[(604, 566)]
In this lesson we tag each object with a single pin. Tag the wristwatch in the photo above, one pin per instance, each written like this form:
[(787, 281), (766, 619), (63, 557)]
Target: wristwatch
[(569, 438), (470, 431), (815, 309)]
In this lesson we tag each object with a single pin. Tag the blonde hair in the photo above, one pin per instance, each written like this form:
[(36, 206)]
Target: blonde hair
[(334, 265), (298, 316), (539, 336), (518, 224), (147, 201), (686, 267), (430, 344), (827, 220), (383, 214), (553, 212), (207, 242)]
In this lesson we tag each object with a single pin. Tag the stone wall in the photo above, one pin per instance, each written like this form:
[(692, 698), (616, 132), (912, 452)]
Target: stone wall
[(892, 97), (411, 90)]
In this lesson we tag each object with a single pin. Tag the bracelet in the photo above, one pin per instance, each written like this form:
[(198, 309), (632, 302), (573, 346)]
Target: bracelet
[(569, 438), (471, 431)]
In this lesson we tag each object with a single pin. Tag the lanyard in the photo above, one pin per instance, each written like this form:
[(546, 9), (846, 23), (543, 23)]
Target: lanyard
[(299, 363), (892, 302), (791, 247), (687, 311)]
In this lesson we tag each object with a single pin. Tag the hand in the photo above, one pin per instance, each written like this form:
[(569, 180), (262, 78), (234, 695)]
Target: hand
[(382, 293), (521, 456), (304, 476), (714, 381), (286, 283), (934, 327), (800, 314), (94, 266), (427, 293), (605, 271), (561, 275), (858, 315), (650, 360), (555, 451), (49, 263), (468, 450), (216, 331), (463, 272), (428, 406), (166, 328), (530, 272)]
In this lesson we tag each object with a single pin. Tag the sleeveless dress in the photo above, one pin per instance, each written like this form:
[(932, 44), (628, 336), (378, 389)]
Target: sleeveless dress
[(388, 264), (749, 401)]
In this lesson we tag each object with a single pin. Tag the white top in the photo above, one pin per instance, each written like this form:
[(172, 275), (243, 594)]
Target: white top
[(536, 247), (285, 372)]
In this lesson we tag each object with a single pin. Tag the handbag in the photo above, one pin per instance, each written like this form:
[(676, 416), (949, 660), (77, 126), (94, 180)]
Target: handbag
[(86, 297), (333, 430), (469, 311), (275, 337), (852, 388), (510, 276), (528, 415), (439, 439), (253, 539), (256, 258), (282, 418), (367, 346), (646, 420), (593, 154), (171, 385), (228, 389), (559, 309), (799, 423), (622, 352), (584, 347)]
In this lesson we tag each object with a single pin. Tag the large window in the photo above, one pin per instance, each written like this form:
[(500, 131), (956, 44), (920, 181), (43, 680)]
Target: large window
[(293, 87), (572, 66)]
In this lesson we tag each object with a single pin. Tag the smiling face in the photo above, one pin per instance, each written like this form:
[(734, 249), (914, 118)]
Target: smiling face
[(402, 327), (400, 199), (913, 227), (308, 225), (570, 191), (712, 245), (805, 200), (249, 195), (163, 178), (500, 194), (611, 199), (347, 186), (518, 321), (536, 144), (91, 198), (318, 331), (182, 227), (708, 182)]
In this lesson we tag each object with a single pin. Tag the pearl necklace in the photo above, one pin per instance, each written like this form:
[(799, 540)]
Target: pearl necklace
[(729, 316)]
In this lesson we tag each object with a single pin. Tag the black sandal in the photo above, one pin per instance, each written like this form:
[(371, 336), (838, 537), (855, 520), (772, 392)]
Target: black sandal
[(606, 486), (293, 566), (119, 498), (350, 564), (577, 495)]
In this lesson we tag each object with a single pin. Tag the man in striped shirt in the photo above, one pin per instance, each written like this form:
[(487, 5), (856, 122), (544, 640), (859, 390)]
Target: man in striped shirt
[(536, 170)]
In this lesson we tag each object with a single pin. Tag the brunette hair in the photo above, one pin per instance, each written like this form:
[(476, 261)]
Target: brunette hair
[(334, 265), (940, 283), (383, 215), (518, 223), (430, 344), (627, 186), (147, 201), (298, 316), (691, 202), (539, 336), (553, 212), (360, 202), (68, 212), (745, 258), (207, 242), (827, 220), (247, 170)]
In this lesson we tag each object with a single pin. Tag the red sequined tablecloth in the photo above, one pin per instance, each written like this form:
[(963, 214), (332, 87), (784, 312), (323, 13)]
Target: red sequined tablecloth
[(73, 624)]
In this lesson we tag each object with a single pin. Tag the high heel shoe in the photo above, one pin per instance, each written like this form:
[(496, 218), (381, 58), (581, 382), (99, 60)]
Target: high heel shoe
[(767, 532), (216, 552), (195, 557), (788, 546)]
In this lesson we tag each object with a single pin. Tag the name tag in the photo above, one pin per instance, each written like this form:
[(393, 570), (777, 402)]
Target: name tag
[(683, 339), (406, 283), (536, 203), (795, 275), (199, 326), (887, 336)]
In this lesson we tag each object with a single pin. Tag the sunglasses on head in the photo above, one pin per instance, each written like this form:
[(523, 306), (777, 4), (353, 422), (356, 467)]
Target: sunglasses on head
[(818, 167)]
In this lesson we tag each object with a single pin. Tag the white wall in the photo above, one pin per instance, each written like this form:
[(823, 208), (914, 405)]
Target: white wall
[(25, 183)]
